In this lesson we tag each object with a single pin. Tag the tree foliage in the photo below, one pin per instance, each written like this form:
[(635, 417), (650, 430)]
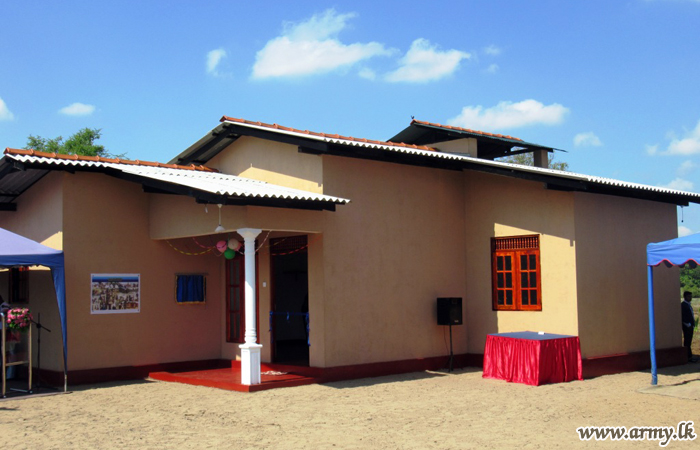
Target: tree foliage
[(690, 280), (81, 143), (528, 159)]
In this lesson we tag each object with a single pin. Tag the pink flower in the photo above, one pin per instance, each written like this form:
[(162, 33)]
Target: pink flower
[(19, 319)]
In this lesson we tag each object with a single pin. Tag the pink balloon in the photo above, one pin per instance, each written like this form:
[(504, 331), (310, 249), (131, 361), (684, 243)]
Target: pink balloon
[(221, 246)]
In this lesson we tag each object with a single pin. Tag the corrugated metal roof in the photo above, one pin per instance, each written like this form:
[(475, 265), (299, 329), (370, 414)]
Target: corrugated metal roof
[(231, 185), (307, 133), (82, 159), (388, 146), (579, 177), (212, 182), (13, 184), (467, 130), (334, 138), (416, 130)]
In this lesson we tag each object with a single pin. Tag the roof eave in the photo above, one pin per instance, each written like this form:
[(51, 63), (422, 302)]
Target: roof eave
[(151, 185), (412, 135), (207, 147)]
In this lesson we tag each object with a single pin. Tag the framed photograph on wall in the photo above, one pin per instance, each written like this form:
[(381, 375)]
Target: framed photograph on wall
[(115, 293)]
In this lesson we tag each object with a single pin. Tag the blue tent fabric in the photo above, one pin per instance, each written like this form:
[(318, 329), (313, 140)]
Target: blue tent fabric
[(16, 250), (674, 252)]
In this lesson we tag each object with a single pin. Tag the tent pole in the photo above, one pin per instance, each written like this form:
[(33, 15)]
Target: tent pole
[(652, 325)]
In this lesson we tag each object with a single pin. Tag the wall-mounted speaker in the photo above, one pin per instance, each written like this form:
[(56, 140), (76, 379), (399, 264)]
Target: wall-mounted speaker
[(449, 311)]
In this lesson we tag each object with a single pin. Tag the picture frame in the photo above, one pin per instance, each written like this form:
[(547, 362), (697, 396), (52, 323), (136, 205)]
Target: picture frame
[(115, 293)]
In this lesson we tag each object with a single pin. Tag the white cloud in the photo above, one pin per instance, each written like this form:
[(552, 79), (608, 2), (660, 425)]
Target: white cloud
[(689, 145), (686, 167), (493, 68), (367, 74), (5, 113), (679, 184), (588, 139), (424, 62), (214, 57), (510, 115), (684, 231), (77, 109), (311, 47), (492, 50), (651, 149)]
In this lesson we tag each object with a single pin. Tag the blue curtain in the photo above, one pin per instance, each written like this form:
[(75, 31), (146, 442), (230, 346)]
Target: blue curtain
[(191, 288)]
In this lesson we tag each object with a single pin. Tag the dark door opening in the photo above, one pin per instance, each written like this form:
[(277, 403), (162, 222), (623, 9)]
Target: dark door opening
[(290, 300)]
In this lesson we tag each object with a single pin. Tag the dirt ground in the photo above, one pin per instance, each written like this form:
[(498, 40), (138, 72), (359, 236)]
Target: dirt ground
[(424, 410)]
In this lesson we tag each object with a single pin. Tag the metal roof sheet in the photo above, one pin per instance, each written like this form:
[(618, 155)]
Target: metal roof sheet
[(212, 182), (417, 128), (333, 139), (388, 146)]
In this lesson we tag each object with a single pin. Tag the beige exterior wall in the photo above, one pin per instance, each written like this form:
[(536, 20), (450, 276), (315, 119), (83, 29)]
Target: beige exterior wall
[(273, 162), (387, 256), (467, 146), (39, 214), (376, 265), (611, 238), (39, 217), (500, 206), (173, 217), (107, 231), (412, 234), (164, 211)]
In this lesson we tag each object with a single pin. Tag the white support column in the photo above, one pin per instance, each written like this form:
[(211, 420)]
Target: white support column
[(250, 351)]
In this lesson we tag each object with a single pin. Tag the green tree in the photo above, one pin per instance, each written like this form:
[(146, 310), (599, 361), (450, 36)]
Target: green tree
[(690, 280), (527, 159), (81, 143)]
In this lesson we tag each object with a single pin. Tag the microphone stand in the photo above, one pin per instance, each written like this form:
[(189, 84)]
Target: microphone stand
[(39, 327)]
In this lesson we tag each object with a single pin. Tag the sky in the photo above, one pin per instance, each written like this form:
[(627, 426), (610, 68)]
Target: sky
[(616, 84)]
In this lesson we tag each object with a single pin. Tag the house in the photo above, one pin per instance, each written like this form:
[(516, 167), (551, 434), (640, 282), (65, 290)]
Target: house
[(348, 243)]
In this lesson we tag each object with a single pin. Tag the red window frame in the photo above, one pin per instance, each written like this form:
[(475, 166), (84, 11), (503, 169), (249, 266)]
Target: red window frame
[(235, 300), (516, 273)]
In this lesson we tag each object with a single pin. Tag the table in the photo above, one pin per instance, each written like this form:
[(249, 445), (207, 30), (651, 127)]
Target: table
[(532, 358)]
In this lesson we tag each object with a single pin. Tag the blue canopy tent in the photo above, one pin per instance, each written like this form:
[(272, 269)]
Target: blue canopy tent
[(676, 252), (16, 250)]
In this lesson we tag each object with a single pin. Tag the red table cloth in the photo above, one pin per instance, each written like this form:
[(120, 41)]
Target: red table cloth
[(531, 358)]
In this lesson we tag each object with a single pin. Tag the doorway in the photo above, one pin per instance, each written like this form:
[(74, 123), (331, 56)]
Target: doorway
[(290, 300)]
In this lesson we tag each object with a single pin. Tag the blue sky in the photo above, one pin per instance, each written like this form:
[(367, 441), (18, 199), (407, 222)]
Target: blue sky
[(615, 83)]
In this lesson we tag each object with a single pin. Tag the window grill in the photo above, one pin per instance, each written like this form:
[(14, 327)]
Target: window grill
[(287, 245), (517, 243)]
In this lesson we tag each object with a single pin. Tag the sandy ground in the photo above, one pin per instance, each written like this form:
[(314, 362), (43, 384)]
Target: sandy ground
[(424, 410)]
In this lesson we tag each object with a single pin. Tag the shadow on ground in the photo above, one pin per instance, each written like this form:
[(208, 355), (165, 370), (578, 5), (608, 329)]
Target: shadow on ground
[(413, 376), (685, 388), (17, 389)]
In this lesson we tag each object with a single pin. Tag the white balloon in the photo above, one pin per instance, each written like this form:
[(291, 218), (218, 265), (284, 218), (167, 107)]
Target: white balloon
[(234, 244)]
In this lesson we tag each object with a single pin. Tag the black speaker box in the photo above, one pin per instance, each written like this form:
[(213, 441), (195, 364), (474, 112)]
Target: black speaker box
[(449, 311)]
